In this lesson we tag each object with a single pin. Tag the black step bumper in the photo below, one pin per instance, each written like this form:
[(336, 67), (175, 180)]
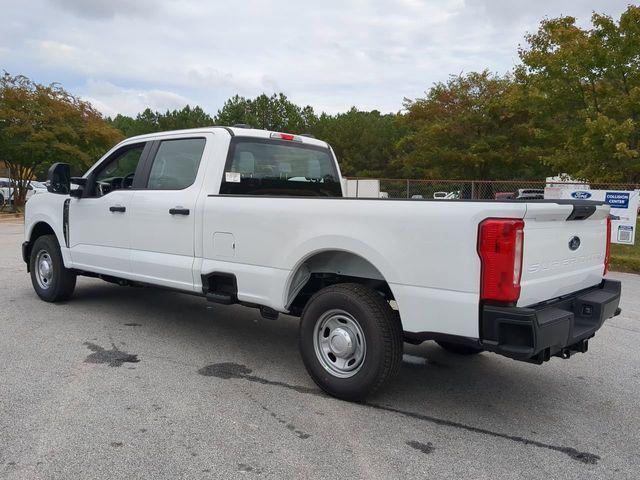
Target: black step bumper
[(557, 328)]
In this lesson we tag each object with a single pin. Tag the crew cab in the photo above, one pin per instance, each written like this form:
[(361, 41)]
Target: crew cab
[(258, 218)]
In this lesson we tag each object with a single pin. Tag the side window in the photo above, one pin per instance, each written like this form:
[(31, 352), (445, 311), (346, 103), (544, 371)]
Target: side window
[(119, 171), (271, 167), (176, 163)]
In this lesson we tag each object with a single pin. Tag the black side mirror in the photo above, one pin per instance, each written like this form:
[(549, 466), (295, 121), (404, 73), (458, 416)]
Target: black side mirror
[(59, 178), (78, 192)]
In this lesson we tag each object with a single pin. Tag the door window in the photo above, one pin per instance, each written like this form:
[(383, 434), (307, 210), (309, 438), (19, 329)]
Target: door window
[(119, 171), (176, 163)]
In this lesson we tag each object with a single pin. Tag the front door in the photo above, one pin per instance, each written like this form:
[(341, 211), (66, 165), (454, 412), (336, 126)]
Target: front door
[(163, 213), (99, 222)]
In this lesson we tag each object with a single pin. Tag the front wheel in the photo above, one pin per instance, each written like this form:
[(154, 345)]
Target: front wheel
[(350, 341), (51, 281)]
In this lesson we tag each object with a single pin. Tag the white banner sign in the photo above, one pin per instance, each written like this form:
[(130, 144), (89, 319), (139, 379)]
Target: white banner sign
[(624, 208)]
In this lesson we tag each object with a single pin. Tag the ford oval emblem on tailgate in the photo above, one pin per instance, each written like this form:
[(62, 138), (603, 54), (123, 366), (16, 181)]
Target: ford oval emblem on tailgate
[(574, 243)]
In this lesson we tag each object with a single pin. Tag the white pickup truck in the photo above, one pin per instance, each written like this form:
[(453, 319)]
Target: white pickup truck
[(258, 218)]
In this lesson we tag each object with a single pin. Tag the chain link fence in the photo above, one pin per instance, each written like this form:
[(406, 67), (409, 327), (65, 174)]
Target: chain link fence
[(466, 189)]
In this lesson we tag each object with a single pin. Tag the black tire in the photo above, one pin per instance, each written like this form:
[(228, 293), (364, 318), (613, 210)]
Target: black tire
[(60, 283), (381, 329), (459, 349), (1, 200)]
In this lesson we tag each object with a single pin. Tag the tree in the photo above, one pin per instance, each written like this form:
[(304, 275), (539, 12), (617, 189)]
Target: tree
[(42, 124), (149, 121), (275, 113), (583, 90), (471, 127), (364, 142)]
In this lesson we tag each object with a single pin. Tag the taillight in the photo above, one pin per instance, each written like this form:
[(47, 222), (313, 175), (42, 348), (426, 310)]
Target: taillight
[(285, 136), (607, 253), (500, 246)]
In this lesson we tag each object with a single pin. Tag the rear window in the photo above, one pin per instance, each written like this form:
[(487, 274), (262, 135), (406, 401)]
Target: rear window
[(175, 166), (275, 167)]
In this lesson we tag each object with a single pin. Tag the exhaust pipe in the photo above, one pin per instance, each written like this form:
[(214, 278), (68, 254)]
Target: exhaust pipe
[(566, 352)]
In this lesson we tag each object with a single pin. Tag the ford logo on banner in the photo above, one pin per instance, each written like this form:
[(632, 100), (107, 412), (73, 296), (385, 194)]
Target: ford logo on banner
[(581, 195)]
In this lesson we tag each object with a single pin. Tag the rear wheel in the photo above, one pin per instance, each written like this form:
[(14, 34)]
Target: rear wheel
[(350, 340), (51, 281), (459, 349)]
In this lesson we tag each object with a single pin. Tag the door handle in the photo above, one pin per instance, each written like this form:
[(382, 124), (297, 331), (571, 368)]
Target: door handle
[(117, 208), (179, 211)]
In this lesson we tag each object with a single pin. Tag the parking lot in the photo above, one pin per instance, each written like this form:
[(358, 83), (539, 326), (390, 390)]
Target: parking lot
[(127, 382)]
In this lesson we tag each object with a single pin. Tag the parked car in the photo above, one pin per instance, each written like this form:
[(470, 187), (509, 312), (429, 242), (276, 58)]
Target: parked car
[(7, 190), (446, 195), (530, 194), (257, 218), (504, 195), (38, 187)]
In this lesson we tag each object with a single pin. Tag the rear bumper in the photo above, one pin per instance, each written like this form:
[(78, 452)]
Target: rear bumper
[(556, 328)]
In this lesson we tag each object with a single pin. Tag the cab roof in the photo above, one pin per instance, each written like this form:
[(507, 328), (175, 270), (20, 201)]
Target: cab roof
[(232, 131)]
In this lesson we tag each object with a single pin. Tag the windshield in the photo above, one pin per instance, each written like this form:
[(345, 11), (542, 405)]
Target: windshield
[(273, 167)]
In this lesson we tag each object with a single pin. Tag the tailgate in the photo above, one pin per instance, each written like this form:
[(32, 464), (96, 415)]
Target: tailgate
[(562, 255)]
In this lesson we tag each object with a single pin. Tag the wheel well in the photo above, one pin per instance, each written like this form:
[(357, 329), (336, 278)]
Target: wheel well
[(329, 268), (40, 229)]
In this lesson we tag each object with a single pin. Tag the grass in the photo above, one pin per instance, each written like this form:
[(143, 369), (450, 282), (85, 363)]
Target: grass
[(626, 258)]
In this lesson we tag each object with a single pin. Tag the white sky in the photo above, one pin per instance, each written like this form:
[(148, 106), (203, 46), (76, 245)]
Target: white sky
[(126, 55)]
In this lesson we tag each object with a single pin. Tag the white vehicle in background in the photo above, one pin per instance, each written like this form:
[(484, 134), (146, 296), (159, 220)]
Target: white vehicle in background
[(38, 187), (258, 218), (7, 190), (530, 194), (446, 195)]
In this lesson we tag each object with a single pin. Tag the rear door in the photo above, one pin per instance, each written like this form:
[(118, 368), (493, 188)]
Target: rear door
[(561, 254), (163, 212)]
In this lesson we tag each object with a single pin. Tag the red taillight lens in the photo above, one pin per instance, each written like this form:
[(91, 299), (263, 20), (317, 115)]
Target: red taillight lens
[(500, 246), (284, 136), (607, 253)]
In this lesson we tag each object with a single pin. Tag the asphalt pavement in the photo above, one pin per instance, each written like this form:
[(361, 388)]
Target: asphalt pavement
[(124, 382)]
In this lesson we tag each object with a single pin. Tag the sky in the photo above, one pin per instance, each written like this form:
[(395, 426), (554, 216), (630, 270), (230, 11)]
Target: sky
[(126, 55)]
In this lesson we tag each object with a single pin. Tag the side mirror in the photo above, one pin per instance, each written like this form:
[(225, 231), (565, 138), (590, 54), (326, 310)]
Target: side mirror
[(59, 178), (78, 192)]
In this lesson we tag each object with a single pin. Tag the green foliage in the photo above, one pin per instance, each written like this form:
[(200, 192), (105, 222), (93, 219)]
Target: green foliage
[(149, 121), (275, 113), (364, 142), (471, 127), (572, 106), (583, 92), (43, 124)]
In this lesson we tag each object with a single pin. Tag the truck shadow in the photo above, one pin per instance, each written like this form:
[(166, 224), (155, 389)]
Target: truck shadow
[(427, 370)]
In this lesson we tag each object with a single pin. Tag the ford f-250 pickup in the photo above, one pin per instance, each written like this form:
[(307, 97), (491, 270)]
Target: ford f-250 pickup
[(258, 218)]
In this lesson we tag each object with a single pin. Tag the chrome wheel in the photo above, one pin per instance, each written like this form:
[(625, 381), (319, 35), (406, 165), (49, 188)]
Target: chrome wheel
[(44, 269), (339, 343)]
